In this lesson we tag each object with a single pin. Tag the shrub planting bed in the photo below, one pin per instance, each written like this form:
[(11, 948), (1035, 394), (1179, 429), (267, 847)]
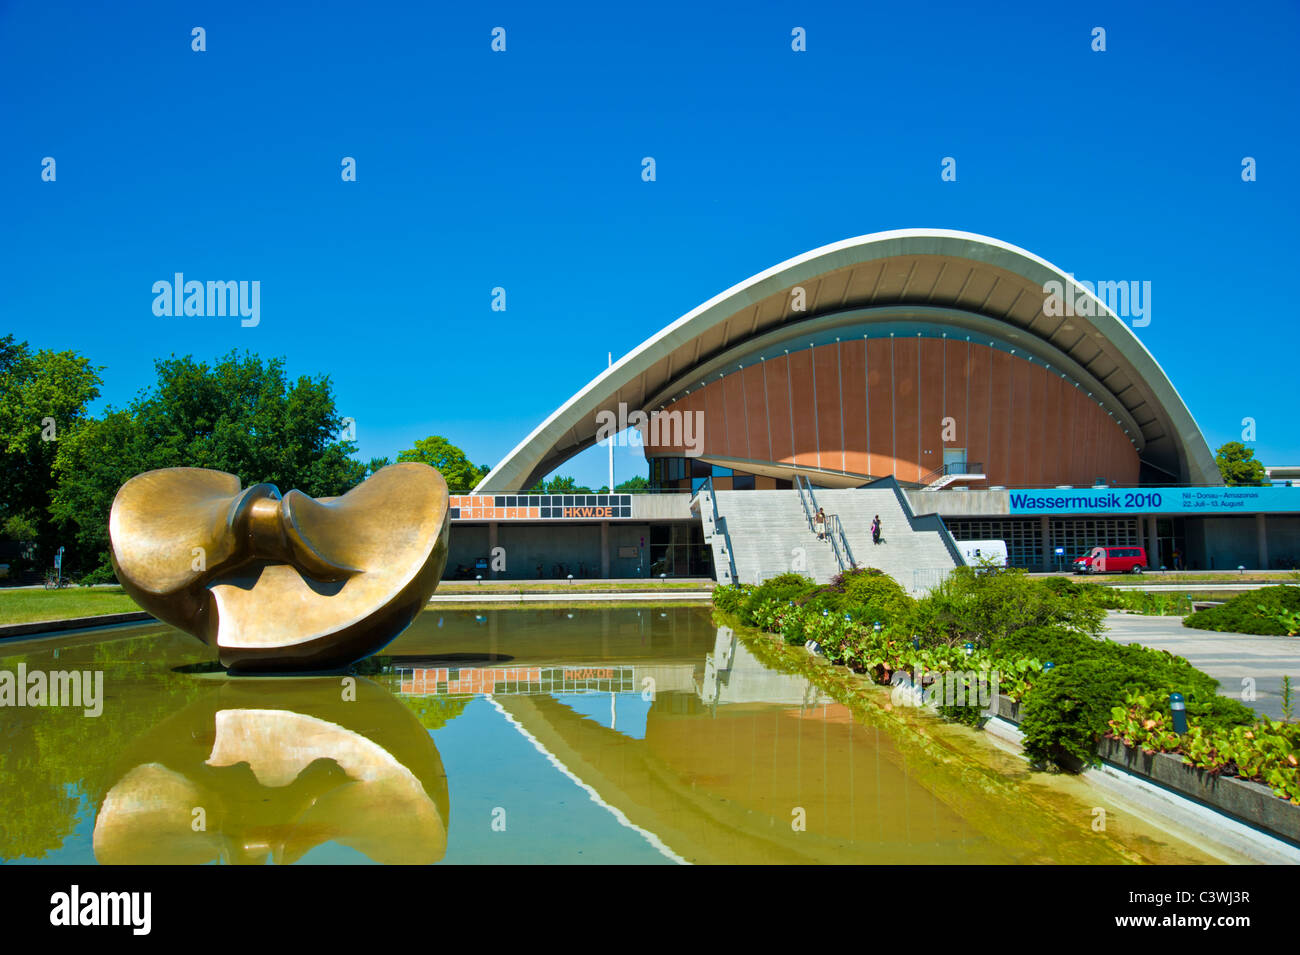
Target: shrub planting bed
[(1042, 637)]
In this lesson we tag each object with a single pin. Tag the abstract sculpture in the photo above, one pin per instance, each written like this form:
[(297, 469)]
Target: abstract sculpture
[(282, 584)]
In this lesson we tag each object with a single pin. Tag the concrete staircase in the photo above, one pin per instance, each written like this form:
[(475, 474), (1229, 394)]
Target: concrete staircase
[(759, 534), (916, 551), (768, 535)]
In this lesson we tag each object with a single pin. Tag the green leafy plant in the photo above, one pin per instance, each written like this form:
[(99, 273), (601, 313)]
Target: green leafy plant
[(1289, 619), (1263, 751)]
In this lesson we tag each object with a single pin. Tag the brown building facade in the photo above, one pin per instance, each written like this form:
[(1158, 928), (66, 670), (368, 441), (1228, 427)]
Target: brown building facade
[(857, 409)]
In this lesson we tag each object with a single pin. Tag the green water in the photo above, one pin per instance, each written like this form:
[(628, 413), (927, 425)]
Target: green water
[(540, 736)]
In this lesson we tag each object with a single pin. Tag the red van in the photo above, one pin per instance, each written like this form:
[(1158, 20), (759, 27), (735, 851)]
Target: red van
[(1112, 560)]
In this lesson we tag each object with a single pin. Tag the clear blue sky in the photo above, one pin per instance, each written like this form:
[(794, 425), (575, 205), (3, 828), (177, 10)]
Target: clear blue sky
[(522, 170)]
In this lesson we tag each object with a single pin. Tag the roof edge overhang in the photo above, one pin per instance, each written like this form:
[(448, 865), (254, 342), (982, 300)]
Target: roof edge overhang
[(541, 451)]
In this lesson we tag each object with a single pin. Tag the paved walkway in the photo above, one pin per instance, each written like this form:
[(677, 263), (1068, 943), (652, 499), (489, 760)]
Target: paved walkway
[(1228, 657)]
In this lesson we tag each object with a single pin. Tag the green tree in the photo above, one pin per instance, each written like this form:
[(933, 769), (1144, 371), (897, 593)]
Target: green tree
[(437, 452), (1238, 466), (240, 415), (633, 485), (43, 398), (559, 485)]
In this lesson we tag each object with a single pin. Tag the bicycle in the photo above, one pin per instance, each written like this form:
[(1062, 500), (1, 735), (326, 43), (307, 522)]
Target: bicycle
[(54, 580)]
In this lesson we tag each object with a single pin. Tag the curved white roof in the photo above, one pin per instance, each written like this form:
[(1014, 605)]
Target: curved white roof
[(972, 277)]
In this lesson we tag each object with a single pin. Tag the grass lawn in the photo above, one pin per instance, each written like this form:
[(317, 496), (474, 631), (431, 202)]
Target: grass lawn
[(26, 605), (1196, 578)]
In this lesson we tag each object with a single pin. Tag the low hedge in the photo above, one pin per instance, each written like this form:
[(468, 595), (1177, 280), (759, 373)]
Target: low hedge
[(1267, 611)]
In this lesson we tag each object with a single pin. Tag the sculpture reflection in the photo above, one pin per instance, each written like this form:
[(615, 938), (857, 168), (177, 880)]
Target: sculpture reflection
[(270, 769)]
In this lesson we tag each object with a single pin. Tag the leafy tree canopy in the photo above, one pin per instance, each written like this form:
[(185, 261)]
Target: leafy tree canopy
[(1238, 466), (437, 452), (43, 398), (559, 485), (239, 415)]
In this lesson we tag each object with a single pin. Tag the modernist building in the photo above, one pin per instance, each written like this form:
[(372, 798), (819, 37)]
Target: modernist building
[(962, 366)]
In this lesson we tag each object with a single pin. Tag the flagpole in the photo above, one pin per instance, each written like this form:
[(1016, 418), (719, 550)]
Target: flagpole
[(611, 442)]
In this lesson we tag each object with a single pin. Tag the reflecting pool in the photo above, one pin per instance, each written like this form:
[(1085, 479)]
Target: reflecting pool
[(612, 735)]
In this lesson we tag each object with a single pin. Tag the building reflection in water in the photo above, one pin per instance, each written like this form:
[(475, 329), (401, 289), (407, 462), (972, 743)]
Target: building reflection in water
[(264, 770)]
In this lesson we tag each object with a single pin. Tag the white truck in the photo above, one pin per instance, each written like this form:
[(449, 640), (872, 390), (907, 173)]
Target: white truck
[(983, 553)]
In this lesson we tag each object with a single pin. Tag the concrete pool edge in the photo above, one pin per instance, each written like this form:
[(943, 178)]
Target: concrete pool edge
[(44, 628), (1169, 804), (55, 627), (1248, 803)]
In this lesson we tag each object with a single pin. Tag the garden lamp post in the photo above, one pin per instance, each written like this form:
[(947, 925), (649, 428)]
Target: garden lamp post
[(1179, 709)]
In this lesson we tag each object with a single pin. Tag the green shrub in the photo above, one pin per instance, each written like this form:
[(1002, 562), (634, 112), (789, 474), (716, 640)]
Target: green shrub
[(980, 608), (782, 588), (1256, 611), (731, 598), (866, 595), (870, 595), (1078, 590), (103, 574), (1073, 700), (1069, 709), (821, 598), (1048, 643)]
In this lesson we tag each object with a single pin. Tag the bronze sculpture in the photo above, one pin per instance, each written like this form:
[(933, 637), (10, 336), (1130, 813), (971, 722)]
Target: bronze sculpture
[(282, 584)]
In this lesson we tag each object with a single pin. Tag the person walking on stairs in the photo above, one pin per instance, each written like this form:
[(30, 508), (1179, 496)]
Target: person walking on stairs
[(875, 530), (819, 524)]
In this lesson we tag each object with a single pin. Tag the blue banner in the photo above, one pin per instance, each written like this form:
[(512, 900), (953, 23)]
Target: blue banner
[(1176, 500)]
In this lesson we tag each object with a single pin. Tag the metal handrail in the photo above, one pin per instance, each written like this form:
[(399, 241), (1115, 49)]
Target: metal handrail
[(834, 527), (951, 467), (718, 528), (807, 500), (713, 499), (840, 543)]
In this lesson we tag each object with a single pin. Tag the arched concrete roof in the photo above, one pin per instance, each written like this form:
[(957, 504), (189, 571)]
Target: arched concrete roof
[(973, 279)]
